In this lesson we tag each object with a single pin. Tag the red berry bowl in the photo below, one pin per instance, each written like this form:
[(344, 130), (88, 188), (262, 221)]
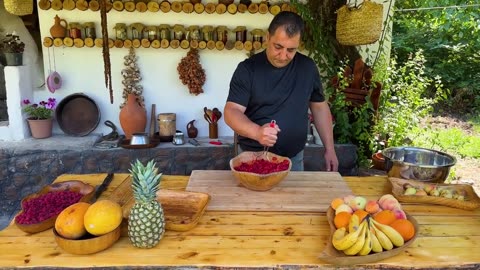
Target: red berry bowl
[(40, 210), (260, 171)]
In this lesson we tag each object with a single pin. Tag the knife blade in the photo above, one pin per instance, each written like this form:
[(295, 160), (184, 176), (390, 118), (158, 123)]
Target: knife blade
[(101, 188)]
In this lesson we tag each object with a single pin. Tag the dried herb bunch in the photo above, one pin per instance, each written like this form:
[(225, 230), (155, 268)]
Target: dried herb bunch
[(131, 79), (105, 49), (191, 72)]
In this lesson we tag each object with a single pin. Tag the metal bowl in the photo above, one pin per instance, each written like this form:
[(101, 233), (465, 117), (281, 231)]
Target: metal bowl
[(419, 164)]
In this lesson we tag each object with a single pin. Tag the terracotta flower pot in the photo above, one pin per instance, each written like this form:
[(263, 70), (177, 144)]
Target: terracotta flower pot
[(40, 129), (378, 161), (133, 117)]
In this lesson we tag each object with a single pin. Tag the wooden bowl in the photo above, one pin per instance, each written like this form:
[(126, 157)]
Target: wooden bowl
[(255, 181), (333, 256), (88, 244), (86, 190)]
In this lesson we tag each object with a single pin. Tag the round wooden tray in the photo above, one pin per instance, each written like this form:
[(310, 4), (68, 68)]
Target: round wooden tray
[(333, 256), (472, 201)]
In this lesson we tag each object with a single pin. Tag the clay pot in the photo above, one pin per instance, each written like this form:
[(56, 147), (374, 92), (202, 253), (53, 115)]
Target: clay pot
[(133, 117), (192, 131), (378, 161), (40, 129), (58, 30)]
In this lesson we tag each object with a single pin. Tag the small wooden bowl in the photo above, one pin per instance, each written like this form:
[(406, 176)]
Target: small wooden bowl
[(255, 181), (74, 185), (88, 244)]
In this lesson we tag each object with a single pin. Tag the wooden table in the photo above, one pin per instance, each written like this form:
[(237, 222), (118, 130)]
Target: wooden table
[(448, 238)]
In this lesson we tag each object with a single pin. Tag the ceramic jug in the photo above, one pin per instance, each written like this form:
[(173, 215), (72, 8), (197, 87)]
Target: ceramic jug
[(192, 131), (58, 30), (133, 117)]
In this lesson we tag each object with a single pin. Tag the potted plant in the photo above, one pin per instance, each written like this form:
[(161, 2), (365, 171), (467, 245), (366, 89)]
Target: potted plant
[(12, 48), (39, 117)]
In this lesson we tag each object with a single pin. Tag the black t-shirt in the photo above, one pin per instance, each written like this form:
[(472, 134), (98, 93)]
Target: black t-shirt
[(280, 94)]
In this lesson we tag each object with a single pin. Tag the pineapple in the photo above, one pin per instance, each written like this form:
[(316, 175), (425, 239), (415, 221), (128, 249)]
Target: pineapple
[(146, 224)]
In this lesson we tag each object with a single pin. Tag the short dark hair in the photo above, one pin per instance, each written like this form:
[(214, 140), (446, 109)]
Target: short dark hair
[(290, 21)]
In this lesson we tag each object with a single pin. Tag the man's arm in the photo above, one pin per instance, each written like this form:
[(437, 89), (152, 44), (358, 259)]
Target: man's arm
[(323, 123), (237, 120)]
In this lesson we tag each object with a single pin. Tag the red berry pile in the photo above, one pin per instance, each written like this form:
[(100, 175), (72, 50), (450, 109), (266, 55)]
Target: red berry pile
[(46, 206), (262, 166)]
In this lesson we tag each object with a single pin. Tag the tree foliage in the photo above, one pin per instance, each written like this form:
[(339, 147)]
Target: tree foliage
[(450, 40)]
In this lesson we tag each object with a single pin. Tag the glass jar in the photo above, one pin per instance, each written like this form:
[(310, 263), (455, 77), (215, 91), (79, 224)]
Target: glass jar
[(178, 32), (164, 32), (240, 33), (151, 33), (136, 30), (90, 31), (74, 30), (207, 33), (120, 31), (195, 33), (222, 33)]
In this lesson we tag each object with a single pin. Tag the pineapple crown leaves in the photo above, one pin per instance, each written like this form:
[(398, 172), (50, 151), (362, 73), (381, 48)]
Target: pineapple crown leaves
[(145, 182)]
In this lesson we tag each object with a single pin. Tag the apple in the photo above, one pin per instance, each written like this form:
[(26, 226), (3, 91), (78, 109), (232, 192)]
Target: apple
[(421, 192), (372, 207), (399, 213), (446, 193), (343, 208), (390, 204), (434, 192), (410, 191), (348, 198), (429, 187), (384, 197), (358, 203)]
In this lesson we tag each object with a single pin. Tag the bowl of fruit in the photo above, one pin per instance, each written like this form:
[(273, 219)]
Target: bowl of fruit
[(366, 231), (85, 228), (260, 171), (40, 210)]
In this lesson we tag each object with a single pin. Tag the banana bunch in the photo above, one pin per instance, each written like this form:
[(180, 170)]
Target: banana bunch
[(366, 237)]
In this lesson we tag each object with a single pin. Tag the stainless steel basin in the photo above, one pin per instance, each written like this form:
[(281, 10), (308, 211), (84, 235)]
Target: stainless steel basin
[(419, 164)]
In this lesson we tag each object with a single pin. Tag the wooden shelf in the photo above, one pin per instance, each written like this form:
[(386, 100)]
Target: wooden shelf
[(156, 44), (165, 6)]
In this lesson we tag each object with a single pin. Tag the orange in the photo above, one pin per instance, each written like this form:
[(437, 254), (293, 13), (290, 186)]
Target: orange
[(361, 214), (336, 202), (342, 219), (385, 217), (404, 227)]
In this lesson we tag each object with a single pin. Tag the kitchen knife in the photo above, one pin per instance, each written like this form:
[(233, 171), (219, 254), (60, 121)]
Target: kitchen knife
[(101, 188)]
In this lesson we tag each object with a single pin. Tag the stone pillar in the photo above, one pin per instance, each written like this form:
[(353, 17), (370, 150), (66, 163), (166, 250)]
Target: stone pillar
[(18, 86)]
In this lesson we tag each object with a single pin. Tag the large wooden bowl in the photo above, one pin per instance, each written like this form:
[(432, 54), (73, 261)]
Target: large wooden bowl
[(88, 244), (333, 256), (86, 190), (255, 181)]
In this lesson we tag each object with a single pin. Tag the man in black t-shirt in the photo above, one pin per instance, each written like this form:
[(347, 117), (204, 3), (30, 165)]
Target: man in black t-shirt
[(280, 84)]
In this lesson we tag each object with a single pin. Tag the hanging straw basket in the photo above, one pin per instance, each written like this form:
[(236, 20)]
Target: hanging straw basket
[(359, 25), (19, 7)]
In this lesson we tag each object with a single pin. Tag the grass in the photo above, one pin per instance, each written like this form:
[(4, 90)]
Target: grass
[(451, 140)]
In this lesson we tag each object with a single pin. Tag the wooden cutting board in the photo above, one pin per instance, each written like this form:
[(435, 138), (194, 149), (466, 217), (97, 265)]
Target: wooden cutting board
[(299, 191)]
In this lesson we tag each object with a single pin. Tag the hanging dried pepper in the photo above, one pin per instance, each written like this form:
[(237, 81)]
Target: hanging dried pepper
[(106, 49)]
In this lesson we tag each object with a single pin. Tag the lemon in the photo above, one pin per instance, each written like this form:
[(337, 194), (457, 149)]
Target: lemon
[(102, 217)]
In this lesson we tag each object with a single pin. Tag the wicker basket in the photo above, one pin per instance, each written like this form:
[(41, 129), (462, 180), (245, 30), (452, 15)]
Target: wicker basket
[(359, 26), (19, 7)]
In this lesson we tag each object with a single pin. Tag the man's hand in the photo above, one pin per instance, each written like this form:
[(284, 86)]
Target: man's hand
[(267, 135), (331, 161)]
